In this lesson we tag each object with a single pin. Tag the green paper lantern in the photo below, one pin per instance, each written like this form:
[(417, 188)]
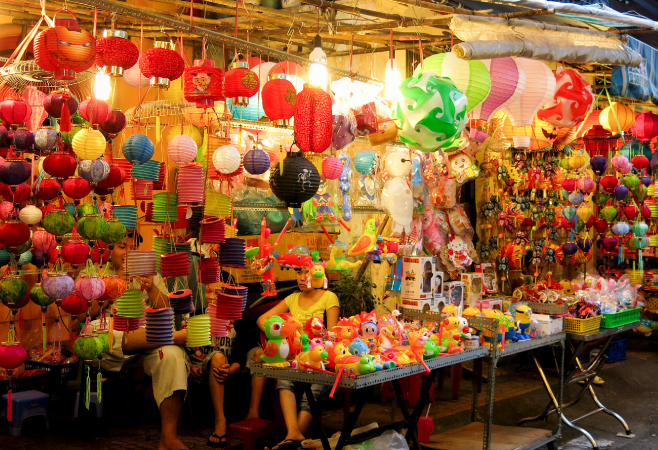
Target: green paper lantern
[(631, 181), (470, 76), (13, 290), (579, 225), (21, 249), (39, 297), (640, 192), (67, 137), (92, 227), (600, 198), (564, 163), (609, 213), (569, 212), (88, 347), (639, 229), (87, 209), (430, 112), (104, 336), (58, 222), (116, 231)]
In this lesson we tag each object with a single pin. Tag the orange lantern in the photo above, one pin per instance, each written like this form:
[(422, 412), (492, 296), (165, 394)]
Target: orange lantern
[(617, 113)]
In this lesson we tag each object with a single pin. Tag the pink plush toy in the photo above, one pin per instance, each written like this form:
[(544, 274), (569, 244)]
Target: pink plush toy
[(431, 234)]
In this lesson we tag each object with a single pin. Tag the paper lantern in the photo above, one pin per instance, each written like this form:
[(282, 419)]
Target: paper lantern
[(14, 233), (60, 164), (198, 331), (25, 258), (114, 124), (115, 52), (617, 113), (115, 287), (332, 167), (134, 77), (212, 230), (226, 159), (23, 140), (646, 126), (397, 163), (15, 194), (253, 111), (279, 99), (187, 130), (14, 171), (6, 209), (75, 251), (175, 264), (182, 149), (599, 164), (208, 271), (257, 161), (635, 148), (92, 226), (89, 288), (539, 89), (203, 83), (190, 183), (45, 138), (114, 179), (423, 124), (470, 77), (138, 149), (298, 182), (599, 141), (508, 82), (95, 111), (46, 189), (161, 65), (140, 263), (142, 189), (76, 187), (58, 286), (150, 170), (194, 216), (313, 120), (30, 215), (89, 144), (127, 215), (240, 83), (231, 253), (160, 326), (43, 241), (15, 111), (164, 206), (572, 100), (61, 105)]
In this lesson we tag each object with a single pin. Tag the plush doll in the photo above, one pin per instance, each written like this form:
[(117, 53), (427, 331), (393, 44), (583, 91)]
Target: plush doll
[(345, 330)]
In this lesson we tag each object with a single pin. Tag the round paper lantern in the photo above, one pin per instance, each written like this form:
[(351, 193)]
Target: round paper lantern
[(88, 347), (58, 222), (92, 227), (508, 82), (76, 187), (15, 111), (94, 170), (332, 167), (279, 99), (43, 241), (12, 356), (253, 111), (138, 149), (640, 161), (15, 194), (75, 252), (134, 77), (115, 52), (45, 138), (89, 288), (621, 192), (364, 162), (397, 163), (23, 140), (14, 233), (203, 83), (240, 83), (585, 184), (114, 179), (226, 159), (257, 161), (313, 120), (38, 297), (46, 189), (60, 164), (30, 215), (95, 111), (14, 171), (115, 287), (646, 126), (161, 65), (182, 149), (470, 76), (572, 100), (539, 89), (6, 209), (422, 123), (298, 182), (89, 144), (187, 130), (74, 305), (624, 115), (116, 232), (114, 124)]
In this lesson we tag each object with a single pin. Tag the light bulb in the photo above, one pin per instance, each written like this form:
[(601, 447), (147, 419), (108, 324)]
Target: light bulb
[(317, 73), (392, 78), (102, 86)]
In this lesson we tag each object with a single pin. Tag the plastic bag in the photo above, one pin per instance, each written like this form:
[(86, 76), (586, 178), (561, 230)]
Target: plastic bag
[(249, 221)]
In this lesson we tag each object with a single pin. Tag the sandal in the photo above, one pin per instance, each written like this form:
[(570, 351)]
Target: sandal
[(289, 444), (219, 443)]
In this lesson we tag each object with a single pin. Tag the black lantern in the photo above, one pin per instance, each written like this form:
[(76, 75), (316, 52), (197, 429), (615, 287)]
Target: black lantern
[(299, 181)]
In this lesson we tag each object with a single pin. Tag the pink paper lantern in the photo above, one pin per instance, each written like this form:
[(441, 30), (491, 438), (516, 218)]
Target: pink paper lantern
[(646, 126), (6, 208), (44, 241), (332, 167), (89, 288), (182, 149), (508, 82), (572, 100), (539, 89)]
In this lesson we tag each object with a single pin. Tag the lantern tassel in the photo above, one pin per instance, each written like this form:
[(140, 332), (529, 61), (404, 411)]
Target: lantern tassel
[(88, 389), (620, 258), (639, 255), (110, 331), (44, 330), (65, 119), (10, 403), (99, 381)]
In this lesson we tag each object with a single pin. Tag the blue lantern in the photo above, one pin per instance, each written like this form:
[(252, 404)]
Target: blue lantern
[(254, 111), (127, 215), (256, 161), (150, 170), (4, 257), (138, 149), (45, 138), (93, 170), (25, 258)]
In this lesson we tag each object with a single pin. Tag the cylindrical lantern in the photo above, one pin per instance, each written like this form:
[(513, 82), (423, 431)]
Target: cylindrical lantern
[(508, 82), (203, 83), (190, 183), (14, 233), (240, 83), (182, 149), (181, 301), (313, 120), (212, 231), (138, 149), (279, 99), (45, 138), (142, 189), (160, 326), (114, 124), (298, 182), (15, 111), (164, 206), (60, 164), (226, 159), (231, 253), (76, 187), (161, 65), (14, 171), (175, 264), (208, 271), (140, 263), (617, 114), (540, 87), (198, 331), (134, 77), (253, 111), (257, 161), (95, 111), (150, 170), (188, 130), (30, 215), (89, 144), (127, 215), (115, 52), (46, 189)]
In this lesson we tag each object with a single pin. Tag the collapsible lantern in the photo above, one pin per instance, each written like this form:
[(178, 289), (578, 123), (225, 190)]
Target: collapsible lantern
[(76, 188), (89, 144), (203, 83), (257, 161), (15, 111), (114, 179), (95, 111), (190, 183), (45, 138), (75, 251), (572, 100), (92, 226), (115, 52), (43, 241), (617, 113), (58, 222), (161, 65), (127, 215), (140, 263), (150, 170), (208, 271), (182, 149), (240, 83), (15, 194), (313, 120), (646, 126), (298, 182), (175, 264), (226, 159), (142, 189), (279, 99), (138, 149), (30, 215), (332, 168), (46, 189), (14, 171), (114, 124), (60, 164), (212, 230)]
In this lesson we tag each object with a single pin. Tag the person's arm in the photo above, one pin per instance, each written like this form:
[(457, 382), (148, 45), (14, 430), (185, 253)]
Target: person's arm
[(136, 341), (156, 297), (332, 317), (280, 308)]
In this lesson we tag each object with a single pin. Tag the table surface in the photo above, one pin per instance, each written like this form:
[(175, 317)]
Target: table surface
[(523, 346), (601, 333)]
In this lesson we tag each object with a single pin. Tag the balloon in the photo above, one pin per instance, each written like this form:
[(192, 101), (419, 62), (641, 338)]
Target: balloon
[(397, 199)]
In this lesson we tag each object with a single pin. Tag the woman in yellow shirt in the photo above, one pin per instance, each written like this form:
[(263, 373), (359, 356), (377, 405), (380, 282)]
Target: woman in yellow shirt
[(308, 303)]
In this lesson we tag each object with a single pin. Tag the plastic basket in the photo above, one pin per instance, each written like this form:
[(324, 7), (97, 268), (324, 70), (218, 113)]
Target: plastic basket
[(616, 350), (57, 375), (21, 384), (620, 318), (573, 325)]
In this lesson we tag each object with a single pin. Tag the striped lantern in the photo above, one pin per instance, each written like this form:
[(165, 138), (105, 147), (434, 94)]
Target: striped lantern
[(164, 206), (218, 204), (181, 301), (174, 264), (208, 271), (508, 82), (617, 113), (127, 215), (150, 170), (190, 183), (539, 89), (213, 231), (181, 221), (142, 189), (182, 149), (140, 263)]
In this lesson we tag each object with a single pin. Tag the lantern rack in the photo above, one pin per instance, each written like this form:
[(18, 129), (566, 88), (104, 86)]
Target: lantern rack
[(271, 207)]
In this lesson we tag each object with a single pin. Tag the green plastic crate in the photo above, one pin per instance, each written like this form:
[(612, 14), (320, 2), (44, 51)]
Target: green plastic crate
[(620, 318)]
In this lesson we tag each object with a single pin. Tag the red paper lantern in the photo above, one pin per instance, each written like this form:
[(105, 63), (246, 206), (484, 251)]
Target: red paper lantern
[(15, 194), (64, 49), (175, 264), (75, 251), (114, 124), (113, 180), (203, 84), (332, 167), (115, 53), (43, 241), (598, 141), (19, 304), (313, 120), (97, 256), (95, 111), (14, 233), (646, 126), (240, 83), (46, 189), (12, 355), (55, 103), (572, 100), (59, 165), (161, 65), (74, 305), (15, 111), (609, 183), (76, 187), (640, 161), (279, 99)]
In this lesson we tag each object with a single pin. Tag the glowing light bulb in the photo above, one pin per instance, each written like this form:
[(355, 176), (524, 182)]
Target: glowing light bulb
[(102, 86), (392, 78), (317, 73)]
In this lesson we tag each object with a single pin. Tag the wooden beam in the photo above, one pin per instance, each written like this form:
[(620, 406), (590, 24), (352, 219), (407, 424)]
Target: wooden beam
[(529, 13), (384, 49), (357, 11), (441, 8)]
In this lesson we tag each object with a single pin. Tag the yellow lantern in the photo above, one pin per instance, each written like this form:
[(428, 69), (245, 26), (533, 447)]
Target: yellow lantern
[(175, 91), (625, 117), (576, 162), (188, 130), (88, 144), (584, 212)]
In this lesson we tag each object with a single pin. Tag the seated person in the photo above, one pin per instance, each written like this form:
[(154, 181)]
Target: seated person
[(303, 305)]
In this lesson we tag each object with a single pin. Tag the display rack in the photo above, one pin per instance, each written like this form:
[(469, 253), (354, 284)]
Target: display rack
[(530, 344), (552, 309)]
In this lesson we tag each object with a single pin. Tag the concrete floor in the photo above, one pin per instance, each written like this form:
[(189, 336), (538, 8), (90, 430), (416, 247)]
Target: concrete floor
[(630, 389)]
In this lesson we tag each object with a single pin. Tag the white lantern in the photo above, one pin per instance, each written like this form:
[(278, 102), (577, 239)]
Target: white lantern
[(30, 215), (226, 159), (134, 77), (263, 70), (398, 163), (182, 149)]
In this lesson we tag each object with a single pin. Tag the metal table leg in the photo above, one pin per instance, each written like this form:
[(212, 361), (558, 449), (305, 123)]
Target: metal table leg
[(348, 426), (315, 412)]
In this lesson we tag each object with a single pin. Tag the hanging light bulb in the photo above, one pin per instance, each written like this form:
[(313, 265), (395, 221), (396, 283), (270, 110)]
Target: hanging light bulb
[(317, 73), (102, 86), (392, 78)]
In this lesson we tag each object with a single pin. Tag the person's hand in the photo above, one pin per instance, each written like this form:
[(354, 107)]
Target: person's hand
[(195, 373), (221, 373), (147, 282)]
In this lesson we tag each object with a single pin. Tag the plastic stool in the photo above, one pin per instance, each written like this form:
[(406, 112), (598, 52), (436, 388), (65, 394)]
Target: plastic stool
[(93, 398), (249, 431), (26, 404), (410, 390)]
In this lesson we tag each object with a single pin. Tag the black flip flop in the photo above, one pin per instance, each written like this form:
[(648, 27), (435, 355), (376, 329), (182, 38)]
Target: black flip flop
[(219, 443), (289, 444)]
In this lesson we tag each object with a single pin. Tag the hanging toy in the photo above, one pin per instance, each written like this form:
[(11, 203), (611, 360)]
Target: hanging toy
[(337, 258), (345, 186), (367, 241)]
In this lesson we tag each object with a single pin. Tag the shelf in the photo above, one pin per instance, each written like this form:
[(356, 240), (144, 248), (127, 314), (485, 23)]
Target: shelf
[(268, 207), (470, 437), (370, 379), (601, 333), (530, 344), (551, 309)]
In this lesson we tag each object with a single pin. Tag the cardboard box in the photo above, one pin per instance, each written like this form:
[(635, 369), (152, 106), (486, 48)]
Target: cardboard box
[(424, 305), (438, 284), (418, 277), (490, 303), (441, 302), (473, 288), (543, 325), (490, 279), (454, 291)]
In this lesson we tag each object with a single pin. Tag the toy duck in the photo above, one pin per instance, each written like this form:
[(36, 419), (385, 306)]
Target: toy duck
[(358, 348), (387, 340), (337, 261), (367, 241), (310, 357), (277, 349), (334, 351)]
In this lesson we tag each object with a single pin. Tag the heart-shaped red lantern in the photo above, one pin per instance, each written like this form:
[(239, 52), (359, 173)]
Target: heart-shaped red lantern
[(46, 189), (640, 161), (631, 212), (14, 233), (609, 243), (75, 252), (60, 103), (600, 225), (115, 179), (240, 83), (95, 111), (15, 111), (64, 49), (114, 124), (203, 83), (12, 355), (114, 288), (15, 194), (313, 120), (645, 212), (279, 99), (115, 53), (609, 183), (74, 305), (59, 165), (161, 65), (76, 187)]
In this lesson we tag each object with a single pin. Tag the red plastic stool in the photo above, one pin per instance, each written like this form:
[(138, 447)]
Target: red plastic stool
[(410, 390), (249, 431)]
